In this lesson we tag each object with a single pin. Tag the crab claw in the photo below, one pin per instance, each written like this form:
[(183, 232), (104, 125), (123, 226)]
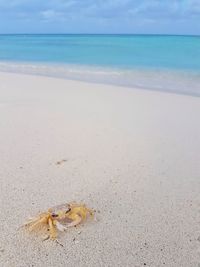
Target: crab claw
[(60, 226)]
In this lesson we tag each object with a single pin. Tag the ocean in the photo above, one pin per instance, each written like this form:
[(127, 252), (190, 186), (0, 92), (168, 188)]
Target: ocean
[(155, 62)]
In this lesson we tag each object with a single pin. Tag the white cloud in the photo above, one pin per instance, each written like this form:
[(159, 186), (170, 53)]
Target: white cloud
[(52, 15), (48, 14), (141, 12), (193, 7)]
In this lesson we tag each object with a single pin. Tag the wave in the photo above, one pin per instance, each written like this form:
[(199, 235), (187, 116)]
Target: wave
[(174, 81)]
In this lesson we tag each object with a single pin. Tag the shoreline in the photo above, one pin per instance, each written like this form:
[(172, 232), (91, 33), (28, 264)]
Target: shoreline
[(184, 82), (131, 154)]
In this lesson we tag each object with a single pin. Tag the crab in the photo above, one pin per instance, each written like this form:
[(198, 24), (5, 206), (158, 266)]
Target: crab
[(60, 218)]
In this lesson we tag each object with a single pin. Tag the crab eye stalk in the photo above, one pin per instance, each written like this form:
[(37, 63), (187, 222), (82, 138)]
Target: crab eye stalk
[(54, 215), (67, 210)]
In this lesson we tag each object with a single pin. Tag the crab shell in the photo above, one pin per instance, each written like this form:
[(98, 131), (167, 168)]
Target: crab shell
[(59, 212), (61, 217)]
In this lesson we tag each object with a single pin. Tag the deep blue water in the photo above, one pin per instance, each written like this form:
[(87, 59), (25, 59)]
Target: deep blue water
[(170, 63)]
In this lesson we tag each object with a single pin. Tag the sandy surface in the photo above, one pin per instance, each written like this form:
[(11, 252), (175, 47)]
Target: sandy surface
[(133, 155)]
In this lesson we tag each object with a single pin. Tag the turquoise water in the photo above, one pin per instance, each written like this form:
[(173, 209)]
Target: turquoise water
[(169, 63)]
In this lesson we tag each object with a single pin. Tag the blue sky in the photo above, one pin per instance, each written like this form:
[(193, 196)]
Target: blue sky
[(100, 16)]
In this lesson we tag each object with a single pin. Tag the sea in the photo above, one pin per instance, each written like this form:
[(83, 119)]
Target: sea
[(153, 62)]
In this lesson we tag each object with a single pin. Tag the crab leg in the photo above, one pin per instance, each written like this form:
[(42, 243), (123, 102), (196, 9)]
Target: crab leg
[(60, 226), (53, 233), (76, 220), (91, 212), (39, 221), (31, 221)]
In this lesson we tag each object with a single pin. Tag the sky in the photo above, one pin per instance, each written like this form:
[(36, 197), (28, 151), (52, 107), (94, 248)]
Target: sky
[(100, 16)]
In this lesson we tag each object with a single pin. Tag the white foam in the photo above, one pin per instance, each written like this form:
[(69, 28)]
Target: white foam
[(184, 82)]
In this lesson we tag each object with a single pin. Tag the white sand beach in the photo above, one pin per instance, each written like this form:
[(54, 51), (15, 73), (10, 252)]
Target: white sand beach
[(132, 155)]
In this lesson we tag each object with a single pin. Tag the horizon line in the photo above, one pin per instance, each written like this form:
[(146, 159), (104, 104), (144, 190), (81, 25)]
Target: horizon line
[(144, 34)]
